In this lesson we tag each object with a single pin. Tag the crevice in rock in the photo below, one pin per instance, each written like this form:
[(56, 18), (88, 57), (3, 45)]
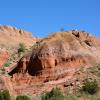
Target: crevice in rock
[(55, 62)]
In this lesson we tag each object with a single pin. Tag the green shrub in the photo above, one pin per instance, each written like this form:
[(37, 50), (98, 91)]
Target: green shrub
[(54, 94), (22, 98), (7, 64), (71, 97), (90, 87), (21, 48), (4, 95)]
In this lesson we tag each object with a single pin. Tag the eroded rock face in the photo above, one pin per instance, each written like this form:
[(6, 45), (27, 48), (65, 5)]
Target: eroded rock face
[(60, 51), (2, 84), (3, 57), (56, 58)]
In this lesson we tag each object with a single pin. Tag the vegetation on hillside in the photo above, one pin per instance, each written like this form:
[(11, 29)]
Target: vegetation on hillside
[(54, 94), (4, 95), (24, 97), (21, 49), (90, 86)]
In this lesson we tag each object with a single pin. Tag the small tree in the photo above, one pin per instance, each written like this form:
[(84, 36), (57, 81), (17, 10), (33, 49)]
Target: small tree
[(54, 94), (62, 29), (7, 64), (4, 95), (90, 86), (21, 49), (22, 98)]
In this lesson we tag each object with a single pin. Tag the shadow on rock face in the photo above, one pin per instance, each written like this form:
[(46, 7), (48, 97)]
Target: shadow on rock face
[(34, 66)]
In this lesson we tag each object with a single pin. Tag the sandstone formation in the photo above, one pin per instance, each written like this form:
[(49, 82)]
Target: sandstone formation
[(54, 60), (11, 36), (61, 50)]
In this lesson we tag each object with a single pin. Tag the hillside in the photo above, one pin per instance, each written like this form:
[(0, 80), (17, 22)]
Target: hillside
[(63, 59), (10, 39)]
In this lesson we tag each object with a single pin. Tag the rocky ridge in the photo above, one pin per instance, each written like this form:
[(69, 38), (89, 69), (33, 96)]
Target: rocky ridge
[(11, 36)]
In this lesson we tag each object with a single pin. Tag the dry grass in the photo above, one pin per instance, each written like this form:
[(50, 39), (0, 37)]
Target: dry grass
[(61, 36)]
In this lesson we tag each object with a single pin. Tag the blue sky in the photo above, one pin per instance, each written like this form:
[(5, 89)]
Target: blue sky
[(42, 17)]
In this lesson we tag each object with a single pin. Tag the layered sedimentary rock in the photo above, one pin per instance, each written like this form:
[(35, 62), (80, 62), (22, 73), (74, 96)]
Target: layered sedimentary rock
[(55, 59), (61, 50)]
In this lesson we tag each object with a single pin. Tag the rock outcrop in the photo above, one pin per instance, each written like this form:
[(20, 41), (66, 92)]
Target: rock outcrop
[(64, 49), (3, 56), (11, 36), (55, 59)]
